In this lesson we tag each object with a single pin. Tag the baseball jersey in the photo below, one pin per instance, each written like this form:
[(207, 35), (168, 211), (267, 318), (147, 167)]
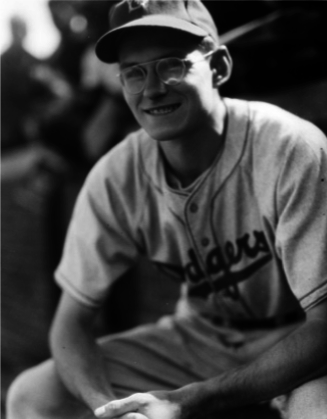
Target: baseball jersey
[(247, 242)]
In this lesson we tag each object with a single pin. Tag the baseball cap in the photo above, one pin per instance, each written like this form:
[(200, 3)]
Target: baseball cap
[(189, 17)]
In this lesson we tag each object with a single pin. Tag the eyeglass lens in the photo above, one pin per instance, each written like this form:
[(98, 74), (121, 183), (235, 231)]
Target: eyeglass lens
[(169, 70)]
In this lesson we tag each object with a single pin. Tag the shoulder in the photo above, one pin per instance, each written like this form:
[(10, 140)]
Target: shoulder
[(115, 188), (274, 136), (275, 128), (281, 148), (118, 181), (122, 163), (124, 153)]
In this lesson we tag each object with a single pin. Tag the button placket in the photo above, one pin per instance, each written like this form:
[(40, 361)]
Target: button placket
[(205, 241), (194, 208)]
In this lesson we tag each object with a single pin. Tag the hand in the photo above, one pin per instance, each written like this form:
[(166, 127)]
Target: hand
[(154, 405)]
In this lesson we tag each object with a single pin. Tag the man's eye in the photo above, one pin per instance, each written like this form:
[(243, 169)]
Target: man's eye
[(133, 74)]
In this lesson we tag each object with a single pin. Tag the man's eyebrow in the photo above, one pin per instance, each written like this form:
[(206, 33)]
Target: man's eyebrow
[(170, 54)]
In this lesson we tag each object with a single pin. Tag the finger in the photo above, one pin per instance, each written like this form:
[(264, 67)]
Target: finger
[(129, 415), (133, 415), (117, 408)]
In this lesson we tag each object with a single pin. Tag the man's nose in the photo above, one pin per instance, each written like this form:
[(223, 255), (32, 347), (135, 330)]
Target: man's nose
[(153, 85)]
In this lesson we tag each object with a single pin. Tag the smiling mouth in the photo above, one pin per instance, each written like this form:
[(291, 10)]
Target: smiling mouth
[(162, 110)]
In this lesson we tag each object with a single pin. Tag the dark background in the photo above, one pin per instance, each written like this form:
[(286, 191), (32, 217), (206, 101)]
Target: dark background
[(50, 115)]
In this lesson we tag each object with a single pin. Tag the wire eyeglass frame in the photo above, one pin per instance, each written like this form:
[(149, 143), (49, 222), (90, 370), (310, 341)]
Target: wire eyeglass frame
[(170, 80)]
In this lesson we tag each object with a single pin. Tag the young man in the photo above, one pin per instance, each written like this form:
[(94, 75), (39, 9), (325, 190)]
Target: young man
[(227, 196)]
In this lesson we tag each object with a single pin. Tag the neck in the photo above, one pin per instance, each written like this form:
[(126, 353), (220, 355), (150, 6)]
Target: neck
[(190, 156)]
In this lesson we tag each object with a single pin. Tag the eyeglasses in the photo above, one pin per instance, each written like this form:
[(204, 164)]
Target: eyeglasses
[(171, 71)]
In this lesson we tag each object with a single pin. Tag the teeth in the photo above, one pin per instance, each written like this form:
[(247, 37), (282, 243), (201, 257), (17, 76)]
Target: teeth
[(163, 110)]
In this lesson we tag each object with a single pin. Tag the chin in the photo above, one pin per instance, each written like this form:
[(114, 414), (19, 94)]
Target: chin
[(164, 132), (159, 135)]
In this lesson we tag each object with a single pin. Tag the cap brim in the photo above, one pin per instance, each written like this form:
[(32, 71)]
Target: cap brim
[(107, 47)]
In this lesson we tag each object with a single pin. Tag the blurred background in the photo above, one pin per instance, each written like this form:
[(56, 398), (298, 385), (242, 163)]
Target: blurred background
[(62, 110)]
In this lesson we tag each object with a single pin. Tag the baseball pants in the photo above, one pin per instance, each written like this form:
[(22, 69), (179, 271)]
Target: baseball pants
[(167, 355)]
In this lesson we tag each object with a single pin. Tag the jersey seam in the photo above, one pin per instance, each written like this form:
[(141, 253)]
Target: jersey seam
[(72, 289), (314, 303), (312, 291)]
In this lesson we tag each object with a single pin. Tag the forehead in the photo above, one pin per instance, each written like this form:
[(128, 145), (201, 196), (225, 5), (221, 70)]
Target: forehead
[(144, 45)]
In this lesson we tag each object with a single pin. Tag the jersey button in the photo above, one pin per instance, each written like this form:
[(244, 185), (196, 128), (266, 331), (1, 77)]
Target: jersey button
[(194, 208), (205, 241)]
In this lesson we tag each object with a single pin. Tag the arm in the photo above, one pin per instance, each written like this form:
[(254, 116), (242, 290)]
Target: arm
[(77, 356), (296, 359)]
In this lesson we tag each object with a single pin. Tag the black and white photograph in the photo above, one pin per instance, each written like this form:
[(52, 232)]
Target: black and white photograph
[(163, 209)]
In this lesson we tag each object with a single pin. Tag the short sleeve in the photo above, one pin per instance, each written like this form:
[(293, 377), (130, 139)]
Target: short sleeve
[(301, 235), (99, 245)]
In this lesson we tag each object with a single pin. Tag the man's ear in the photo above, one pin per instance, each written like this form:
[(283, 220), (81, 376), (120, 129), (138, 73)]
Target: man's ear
[(221, 64)]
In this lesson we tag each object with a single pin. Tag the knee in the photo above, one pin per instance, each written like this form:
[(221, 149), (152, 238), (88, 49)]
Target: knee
[(308, 401), (33, 392), (19, 398), (38, 393)]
